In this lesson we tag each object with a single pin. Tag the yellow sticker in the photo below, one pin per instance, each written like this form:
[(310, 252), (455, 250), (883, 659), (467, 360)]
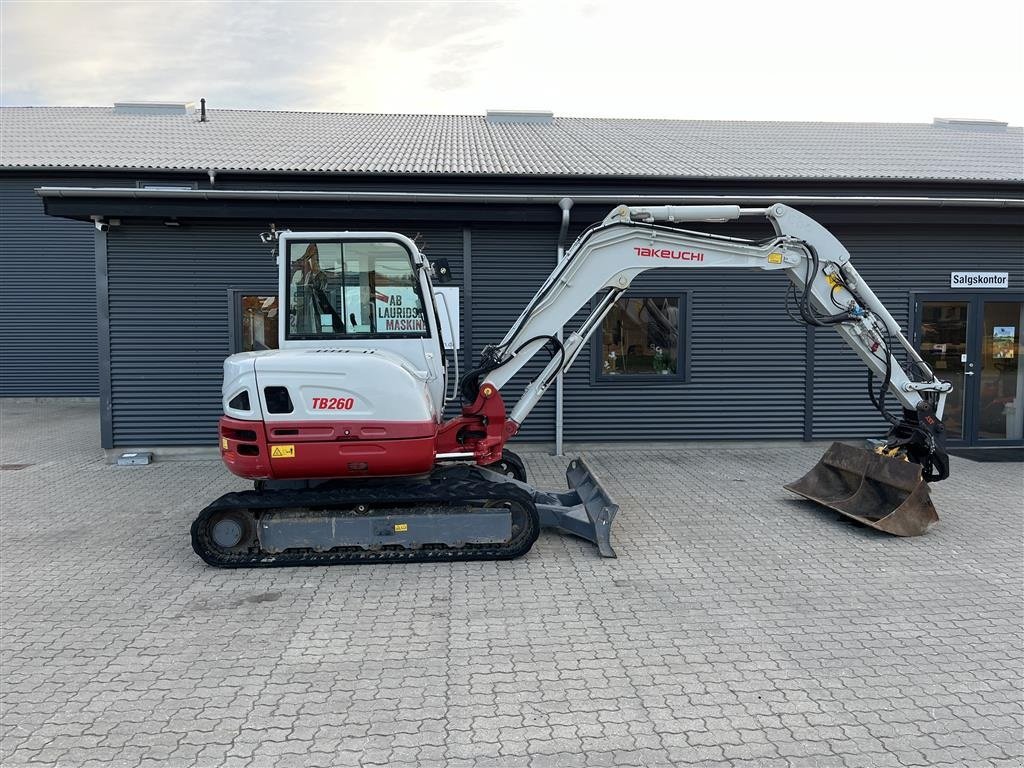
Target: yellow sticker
[(774, 258), (401, 527), (832, 280), (224, 443), (282, 452)]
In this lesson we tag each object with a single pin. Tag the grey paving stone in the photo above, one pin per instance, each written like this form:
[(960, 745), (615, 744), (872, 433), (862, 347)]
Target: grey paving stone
[(739, 627)]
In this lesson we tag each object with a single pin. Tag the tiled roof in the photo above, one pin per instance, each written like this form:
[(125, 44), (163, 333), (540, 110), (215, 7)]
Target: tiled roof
[(317, 142)]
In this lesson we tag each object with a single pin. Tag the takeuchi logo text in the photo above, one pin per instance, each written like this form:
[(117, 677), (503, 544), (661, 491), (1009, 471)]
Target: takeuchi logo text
[(668, 253)]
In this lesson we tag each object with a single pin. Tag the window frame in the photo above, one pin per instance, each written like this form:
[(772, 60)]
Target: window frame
[(417, 285), (235, 295), (682, 374)]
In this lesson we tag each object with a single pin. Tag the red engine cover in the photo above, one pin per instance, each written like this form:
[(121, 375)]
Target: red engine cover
[(325, 449)]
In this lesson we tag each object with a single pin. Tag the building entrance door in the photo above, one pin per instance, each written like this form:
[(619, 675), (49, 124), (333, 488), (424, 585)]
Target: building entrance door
[(975, 342)]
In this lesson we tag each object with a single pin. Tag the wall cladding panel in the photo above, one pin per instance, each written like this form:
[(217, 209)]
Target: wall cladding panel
[(169, 314), (745, 368), (47, 295), (169, 319), (509, 264), (895, 261)]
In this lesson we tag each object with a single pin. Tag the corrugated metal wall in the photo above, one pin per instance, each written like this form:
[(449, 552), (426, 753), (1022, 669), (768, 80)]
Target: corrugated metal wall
[(47, 297), (745, 368), (895, 261), (169, 318), (509, 264)]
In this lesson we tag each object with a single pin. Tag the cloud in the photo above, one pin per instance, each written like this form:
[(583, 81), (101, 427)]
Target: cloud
[(254, 55), (795, 60)]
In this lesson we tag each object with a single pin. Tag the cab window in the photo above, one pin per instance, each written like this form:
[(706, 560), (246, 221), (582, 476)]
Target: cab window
[(352, 289)]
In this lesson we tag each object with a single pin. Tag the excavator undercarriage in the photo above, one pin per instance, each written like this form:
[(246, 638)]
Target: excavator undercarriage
[(454, 513)]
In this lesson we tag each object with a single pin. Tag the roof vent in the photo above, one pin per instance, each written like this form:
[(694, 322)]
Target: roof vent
[(154, 107), (504, 116), (966, 122)]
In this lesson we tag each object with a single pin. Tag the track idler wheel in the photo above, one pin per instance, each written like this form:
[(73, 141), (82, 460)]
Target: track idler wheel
[(230, 531)]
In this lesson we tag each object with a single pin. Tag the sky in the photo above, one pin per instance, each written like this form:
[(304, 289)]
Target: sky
[(859, 60)]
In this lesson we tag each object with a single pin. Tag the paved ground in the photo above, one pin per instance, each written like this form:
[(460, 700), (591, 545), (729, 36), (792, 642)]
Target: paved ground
[(737, 627)]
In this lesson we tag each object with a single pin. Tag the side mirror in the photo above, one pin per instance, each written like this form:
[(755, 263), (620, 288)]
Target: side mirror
[(440, 270)]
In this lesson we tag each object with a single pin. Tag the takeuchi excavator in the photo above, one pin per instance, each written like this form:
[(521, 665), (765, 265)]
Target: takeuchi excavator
[(342, 429)]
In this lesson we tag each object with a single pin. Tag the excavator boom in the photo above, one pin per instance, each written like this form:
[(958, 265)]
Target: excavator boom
[(876, 489)]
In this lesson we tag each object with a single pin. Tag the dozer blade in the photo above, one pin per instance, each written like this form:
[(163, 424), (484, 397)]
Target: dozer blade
[(585, 510), (883, 493)]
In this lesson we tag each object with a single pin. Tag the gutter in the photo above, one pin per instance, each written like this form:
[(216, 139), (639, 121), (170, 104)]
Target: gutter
[(519, 199)]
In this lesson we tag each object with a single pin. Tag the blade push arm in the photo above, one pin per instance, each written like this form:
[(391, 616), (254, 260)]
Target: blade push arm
[(632, 240)]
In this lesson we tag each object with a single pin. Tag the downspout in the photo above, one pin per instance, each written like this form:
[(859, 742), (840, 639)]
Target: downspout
[(566, 205)]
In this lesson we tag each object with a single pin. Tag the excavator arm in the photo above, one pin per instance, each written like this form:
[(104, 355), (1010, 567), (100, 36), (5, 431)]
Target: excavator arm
[(825, 290)]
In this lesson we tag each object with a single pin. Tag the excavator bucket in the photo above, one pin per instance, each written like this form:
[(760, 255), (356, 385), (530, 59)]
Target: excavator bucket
[(883, 493)]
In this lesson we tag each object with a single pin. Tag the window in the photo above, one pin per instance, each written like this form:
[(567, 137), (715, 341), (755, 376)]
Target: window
[(350, 289), (259, 322), (253, 319), (641, 337)]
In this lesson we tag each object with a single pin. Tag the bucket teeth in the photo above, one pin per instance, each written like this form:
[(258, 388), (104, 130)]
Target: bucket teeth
[(884, 493)]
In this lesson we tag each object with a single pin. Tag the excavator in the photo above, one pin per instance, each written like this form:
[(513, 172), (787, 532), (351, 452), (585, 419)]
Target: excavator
[(343, 433)]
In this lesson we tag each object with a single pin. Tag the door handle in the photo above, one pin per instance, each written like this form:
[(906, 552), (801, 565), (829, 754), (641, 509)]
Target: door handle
[(969, 373)]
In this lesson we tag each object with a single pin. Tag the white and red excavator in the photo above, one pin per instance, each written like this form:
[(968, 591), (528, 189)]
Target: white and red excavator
[(342, 428)]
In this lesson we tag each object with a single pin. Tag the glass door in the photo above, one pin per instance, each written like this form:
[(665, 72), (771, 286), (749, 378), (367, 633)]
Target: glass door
[(1000, 378), (975, 342), (943, 334)]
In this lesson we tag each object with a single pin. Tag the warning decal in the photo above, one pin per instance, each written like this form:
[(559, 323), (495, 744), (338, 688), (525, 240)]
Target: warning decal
[(282, 452)]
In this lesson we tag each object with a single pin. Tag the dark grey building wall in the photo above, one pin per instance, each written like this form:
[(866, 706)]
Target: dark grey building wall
[(47, 297), (745, 358), (895, 261), (744, 367), (509, 264), (169, 315), (169, 310)]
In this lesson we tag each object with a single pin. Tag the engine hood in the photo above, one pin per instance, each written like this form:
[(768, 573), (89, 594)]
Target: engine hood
[(328, 385)]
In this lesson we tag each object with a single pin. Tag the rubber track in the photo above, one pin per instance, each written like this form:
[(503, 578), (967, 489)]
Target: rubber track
[(453, 486)]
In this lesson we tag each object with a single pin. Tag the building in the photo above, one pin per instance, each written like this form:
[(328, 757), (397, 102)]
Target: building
[(132, 265)]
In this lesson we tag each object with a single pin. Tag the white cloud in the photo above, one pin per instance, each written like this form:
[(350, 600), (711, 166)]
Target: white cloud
[(871, 60)]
